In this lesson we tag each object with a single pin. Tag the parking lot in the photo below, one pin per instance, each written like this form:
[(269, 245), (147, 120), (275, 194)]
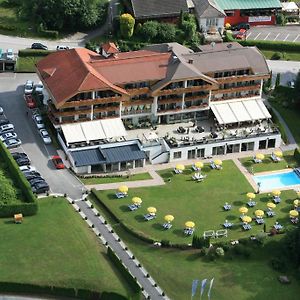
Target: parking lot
[(11, 99), (289, 33)]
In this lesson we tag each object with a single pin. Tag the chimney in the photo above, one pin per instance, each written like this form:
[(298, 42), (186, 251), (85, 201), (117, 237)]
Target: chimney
[(190, 61)]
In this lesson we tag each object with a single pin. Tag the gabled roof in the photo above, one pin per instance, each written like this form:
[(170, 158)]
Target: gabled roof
[(146, 9), (208, 9), (248, 4)]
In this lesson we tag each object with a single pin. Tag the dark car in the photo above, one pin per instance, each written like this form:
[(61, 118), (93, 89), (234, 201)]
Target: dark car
[(22, 161), (4, 121), (36, 180), (240, 26), (39, 46), (31, 175), (40, 187), (17, 155)]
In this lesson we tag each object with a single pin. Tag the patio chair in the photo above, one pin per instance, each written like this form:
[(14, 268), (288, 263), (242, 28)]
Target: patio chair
[(167, 225), (120, 195), (260, 221), (257, 161), (132, 207), (275, 158), (221, 233), (212, 165), (209, 233), (251, 203), (276, 199), (294, 220), (271, 213), (227, 207)]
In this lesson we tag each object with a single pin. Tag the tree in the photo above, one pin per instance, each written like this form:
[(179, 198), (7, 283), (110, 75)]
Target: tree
[(149, 30), (189, 29), (127, 22), (297, 89), (166, 32), (277, 81)]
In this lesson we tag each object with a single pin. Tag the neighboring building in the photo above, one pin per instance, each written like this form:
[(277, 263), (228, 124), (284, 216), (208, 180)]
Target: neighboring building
[(290, 10), (164, 10), (160, 85), (209, 15), (254, 12)]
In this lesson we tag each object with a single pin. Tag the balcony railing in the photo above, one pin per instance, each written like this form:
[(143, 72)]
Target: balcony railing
[(89, 102), (184, 90), (241, 78), (137, 102), (190, 98), (169, 101), (237, 89), (136, 112), (138, 91), (195, 107), (234, 97)]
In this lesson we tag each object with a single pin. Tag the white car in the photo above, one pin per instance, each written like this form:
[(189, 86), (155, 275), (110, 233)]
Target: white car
[(6, 128), (1, 110), (10, 54), (62, 47), (27, 168), (38, 120), (8, 135), (39, 88), (45, 136), (12, 143), (28, 87)]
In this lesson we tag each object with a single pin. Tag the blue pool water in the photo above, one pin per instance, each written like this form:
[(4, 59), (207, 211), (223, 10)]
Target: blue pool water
[(277, 180)]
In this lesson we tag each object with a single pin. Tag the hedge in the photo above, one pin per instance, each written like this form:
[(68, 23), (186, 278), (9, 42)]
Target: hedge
[(124, 271), (279, 125), (297, 155), (34, 52), (30, 207)]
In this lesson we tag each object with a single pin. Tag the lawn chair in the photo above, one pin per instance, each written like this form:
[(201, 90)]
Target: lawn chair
[(209, 233), (276, 199), (221, 233), (120, 195), (275, 158), (132, 207), (212, 165), (257, 161)]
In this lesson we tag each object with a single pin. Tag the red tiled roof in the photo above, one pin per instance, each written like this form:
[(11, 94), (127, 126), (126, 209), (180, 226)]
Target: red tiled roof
[(67, 73), (110, 48)]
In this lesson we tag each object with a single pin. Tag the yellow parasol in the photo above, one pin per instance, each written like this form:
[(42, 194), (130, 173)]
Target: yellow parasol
[(294, 213), (151, 210), (218, 162), (199, 164), (180, 167), (276, 193), (260, 156), (296, 202), (123, 189), (271, 205), (169, 218), (259, 213), (137, 200), (250, 195), (278, 153), (189, 224), (246, 219), (243, 210)]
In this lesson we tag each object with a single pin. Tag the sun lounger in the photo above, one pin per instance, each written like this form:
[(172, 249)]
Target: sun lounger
[(260, 221), (276, 199), (198, 176), (227, 225), (257, 161), (275, 158), (246, 226), (227, 207), (251, 203), (132, 207), (278, 226), (177, 171), (167, 225), (294, 220), (212, 165), (149, 217), (120, 195), (271, 213), (188, 231), (195, 168)]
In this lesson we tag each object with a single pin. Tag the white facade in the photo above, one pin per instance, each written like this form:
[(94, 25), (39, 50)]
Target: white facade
[(206, 23)]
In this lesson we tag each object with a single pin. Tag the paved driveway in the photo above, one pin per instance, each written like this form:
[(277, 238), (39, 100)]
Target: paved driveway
[(290, 33), (11, 92)]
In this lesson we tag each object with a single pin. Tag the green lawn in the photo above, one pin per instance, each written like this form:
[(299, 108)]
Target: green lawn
[(235, 279), (201, 202), (27, 64), (55, 247), (295, 56), (268, 165), (108, 179)]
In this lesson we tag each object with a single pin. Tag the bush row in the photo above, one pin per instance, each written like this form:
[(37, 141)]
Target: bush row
[(33, 52), (7, 27), (52, 34), (119, 265), (297, 155), (28, 208)]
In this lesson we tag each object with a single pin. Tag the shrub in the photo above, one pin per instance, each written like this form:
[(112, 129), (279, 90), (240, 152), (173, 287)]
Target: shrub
[(280, 19), (34, 52), (165, 243), (149, 30), (200, 242), (7, 27), (277, 81), (53, 34), (261, 237), (276, 56), (297, 154), (166, 32), (242, 250), (220, 251), (278, 264), (127, 22)]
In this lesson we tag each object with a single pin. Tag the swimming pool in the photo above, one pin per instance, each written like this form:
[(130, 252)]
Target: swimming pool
[(277, 180)]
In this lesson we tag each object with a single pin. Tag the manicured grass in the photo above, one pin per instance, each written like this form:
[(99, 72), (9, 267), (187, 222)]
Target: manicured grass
[(201, 202), (101, 180), (268, 164), (56, 248), (27, 64), (235, 278), (295, 56)]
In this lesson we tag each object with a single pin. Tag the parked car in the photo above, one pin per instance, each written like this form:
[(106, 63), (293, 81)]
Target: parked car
[(10, 54), (7, 128), (45, 136), (241, 34), (38, 120), (62, 47), (241, 26), (12, 143), (27, 169), (30, 103), (28, 89), (39, 87), (31, 175), (22, 161), (3, 120), (26, 173), (291, 84), (36, 180), (8, 135), (39, 46), (1, 110), (57, 161), (17, 155), (40, 187)]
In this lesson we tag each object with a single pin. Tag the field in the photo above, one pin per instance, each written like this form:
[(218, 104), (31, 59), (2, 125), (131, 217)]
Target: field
[(200, 202), (56, 248)]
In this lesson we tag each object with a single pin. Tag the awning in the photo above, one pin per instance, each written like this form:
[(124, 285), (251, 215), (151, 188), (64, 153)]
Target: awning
[(93, 130), (240, 111)]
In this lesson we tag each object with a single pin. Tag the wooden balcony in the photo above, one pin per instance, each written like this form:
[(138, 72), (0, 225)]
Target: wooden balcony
[(136, 112), (241, 78), (174, 110), (137, 102), (190, 89), (237, 89), (196, 107), (191, 98), (138, 91), (236, 97), (168, 101), (90, 102)]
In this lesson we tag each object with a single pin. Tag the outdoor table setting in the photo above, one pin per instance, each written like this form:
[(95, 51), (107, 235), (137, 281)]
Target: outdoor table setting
[(227, 206)]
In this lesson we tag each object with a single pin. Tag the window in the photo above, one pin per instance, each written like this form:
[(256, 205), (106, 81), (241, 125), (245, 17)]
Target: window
[(177, 155), (230, 13), (271, 143), (211, 22)]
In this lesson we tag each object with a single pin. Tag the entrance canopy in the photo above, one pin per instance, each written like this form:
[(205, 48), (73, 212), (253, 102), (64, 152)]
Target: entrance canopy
[(240, 111), (93, 130)]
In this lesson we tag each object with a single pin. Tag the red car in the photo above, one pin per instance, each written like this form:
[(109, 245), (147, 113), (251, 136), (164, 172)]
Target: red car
[(241, 35), (29, 101), (58, 163)]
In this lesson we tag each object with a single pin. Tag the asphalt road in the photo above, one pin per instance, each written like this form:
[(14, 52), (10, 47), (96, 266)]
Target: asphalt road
[(11, 99), (289, 33)]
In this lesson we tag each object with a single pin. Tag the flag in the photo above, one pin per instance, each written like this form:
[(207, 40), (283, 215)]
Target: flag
[(194, 287), (203, 284), (210, 286)]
